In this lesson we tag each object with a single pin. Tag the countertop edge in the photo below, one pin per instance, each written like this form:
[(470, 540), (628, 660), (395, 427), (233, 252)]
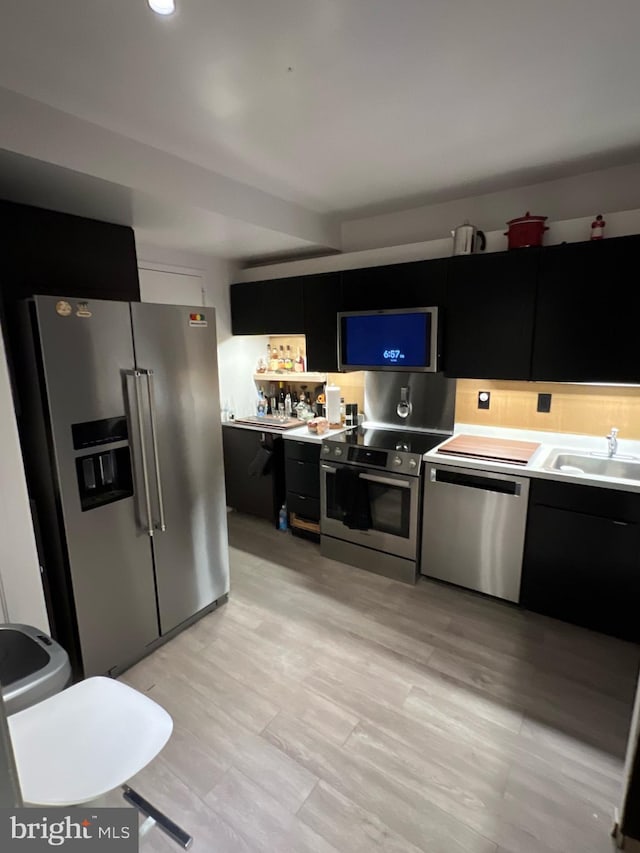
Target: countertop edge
[(300, 433), (535, 466)]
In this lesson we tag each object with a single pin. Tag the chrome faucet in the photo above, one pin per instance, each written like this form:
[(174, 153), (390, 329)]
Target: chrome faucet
[(612, 438)]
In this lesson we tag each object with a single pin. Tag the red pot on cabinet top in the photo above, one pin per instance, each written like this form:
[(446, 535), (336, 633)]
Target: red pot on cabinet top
[(526, 231)]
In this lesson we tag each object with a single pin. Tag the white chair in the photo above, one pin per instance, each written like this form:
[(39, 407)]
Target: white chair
[(88, 740)]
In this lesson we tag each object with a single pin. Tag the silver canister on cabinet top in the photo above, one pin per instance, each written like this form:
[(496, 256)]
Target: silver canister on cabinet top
[(467, 239)]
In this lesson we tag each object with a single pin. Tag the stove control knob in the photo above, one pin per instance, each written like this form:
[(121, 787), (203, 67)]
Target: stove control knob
[(397, 461), (413, 463), (337, 451), (326, 449)]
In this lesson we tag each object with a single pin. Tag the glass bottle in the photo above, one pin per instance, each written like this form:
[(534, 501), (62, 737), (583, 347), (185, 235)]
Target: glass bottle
[(299, 365), (301, 408), (281, 358), (273, 361), (287, 405), (281, 397), (288, 362)]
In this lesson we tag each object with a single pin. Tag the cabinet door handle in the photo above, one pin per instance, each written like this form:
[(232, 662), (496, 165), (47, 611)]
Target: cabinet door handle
[(385, 481), (620, 522)]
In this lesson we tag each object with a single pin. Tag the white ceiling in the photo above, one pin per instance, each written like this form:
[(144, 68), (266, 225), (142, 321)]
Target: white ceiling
[(340, 106)]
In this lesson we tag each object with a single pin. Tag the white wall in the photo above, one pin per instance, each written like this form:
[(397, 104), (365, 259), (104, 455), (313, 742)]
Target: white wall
[(237, 356), (570, 230), (603, 191), (34, 129), (19, 567)]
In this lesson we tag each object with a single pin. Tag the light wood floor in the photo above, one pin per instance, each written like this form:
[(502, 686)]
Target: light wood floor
[(327, 709)]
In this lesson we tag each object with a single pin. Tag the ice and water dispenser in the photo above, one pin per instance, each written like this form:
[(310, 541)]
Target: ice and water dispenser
[(105, 475)]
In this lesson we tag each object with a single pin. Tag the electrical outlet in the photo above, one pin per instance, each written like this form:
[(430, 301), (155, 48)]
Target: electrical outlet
[(484, 399), (544, 403)]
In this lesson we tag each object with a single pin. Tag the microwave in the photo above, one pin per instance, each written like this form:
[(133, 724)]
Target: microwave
[(395, 339)]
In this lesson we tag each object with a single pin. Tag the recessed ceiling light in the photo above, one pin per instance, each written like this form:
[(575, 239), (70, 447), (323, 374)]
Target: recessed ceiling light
[(163, 7)]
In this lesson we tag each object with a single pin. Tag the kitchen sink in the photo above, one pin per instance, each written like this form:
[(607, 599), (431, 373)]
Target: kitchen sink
[(619, 468)]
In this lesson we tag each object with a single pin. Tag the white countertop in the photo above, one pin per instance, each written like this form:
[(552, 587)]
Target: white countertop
[(536, 467), (300, 433)]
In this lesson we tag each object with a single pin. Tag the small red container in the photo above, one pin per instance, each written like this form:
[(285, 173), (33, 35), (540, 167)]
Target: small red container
[(526, 231)]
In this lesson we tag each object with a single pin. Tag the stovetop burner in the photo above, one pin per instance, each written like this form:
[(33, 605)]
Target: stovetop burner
[(380, 447)]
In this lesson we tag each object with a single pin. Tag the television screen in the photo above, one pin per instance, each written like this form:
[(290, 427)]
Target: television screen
[(393, 340)]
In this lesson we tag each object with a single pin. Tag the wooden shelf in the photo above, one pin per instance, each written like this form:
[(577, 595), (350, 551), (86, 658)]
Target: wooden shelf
[(290, 377), (304, 523)]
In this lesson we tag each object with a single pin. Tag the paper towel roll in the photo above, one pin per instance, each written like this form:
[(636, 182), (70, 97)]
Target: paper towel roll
[(332, 395)]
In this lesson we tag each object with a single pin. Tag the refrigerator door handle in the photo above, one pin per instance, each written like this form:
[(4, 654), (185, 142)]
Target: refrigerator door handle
[(154, 441), (137, 376)]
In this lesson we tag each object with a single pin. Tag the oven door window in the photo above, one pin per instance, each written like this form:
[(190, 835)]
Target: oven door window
[(389, 503)]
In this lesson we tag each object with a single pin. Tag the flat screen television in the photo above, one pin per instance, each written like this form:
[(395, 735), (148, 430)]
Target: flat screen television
[(399, 339)]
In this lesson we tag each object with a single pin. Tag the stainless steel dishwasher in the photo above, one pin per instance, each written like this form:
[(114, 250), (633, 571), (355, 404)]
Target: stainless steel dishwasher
[(473, 529)]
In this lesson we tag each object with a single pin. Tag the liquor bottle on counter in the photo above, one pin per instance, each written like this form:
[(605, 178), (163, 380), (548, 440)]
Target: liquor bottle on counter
[(288, 362), (287, 405), (299, 365), (281, 359), (301, 408)]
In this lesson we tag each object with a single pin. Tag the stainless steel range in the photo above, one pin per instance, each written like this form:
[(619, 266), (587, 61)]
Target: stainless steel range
[(371, 494)]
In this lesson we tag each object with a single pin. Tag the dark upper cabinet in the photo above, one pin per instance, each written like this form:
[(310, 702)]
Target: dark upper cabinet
[(58, 254), (48, 252), (321, 297), (586, 321), (411, 285), (521, 314), (298, 305), (272, 307), (582, 556), (489, 315)]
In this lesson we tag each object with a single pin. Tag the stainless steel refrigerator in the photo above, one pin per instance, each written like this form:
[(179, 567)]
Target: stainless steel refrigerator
[(121, 434)]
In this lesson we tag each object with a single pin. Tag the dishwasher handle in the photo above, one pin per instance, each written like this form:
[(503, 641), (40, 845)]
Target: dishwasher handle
[(502, 485)]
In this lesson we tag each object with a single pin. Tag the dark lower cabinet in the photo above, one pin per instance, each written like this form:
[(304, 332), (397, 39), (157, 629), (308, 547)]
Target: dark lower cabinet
[(582, 557), (254, 480), (302, 475)]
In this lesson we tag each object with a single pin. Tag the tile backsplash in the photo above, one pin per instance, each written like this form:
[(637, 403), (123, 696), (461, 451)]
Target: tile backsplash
[(579, 409), (351, 386)]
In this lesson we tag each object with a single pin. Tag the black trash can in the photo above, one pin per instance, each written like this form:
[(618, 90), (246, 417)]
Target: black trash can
[(33, 666)]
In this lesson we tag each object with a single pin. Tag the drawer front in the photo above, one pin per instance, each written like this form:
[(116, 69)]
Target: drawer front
[(304, 451), (304, 506), (303, 477)]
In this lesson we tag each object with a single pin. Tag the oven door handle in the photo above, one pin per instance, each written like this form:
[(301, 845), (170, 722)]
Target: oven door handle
[(386, 481), (328, 469)]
